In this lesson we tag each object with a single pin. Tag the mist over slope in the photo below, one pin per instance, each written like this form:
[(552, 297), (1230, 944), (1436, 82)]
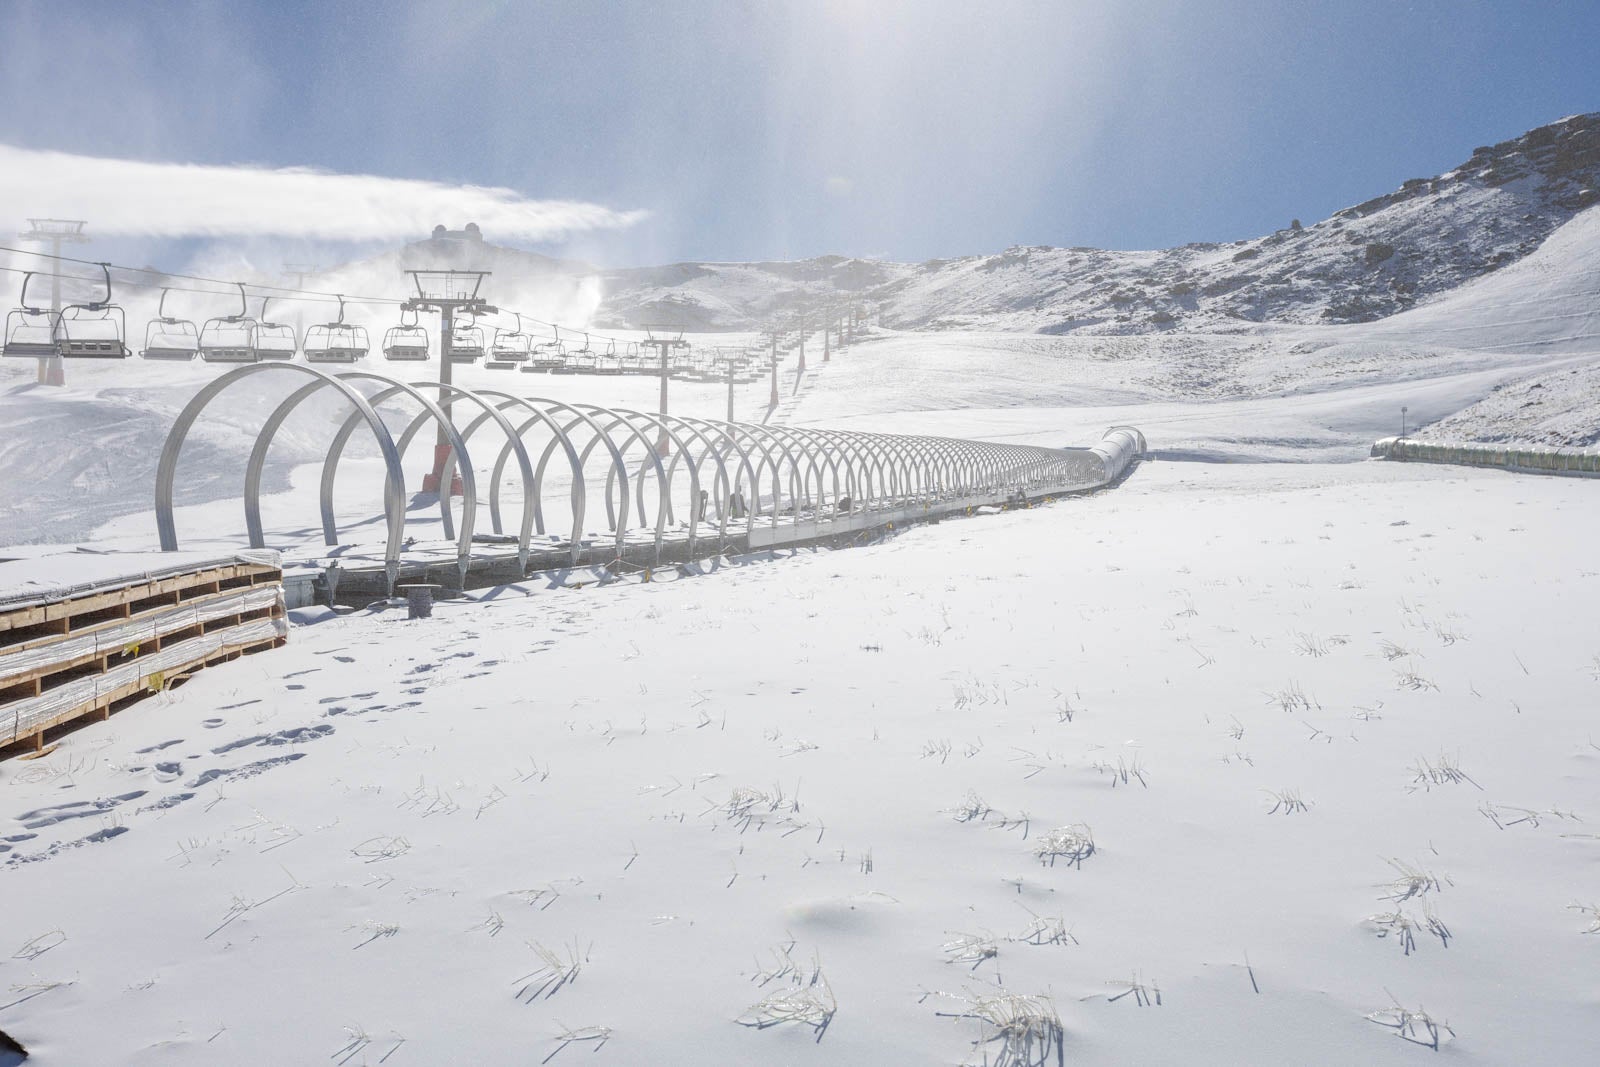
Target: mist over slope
[(1367, 261)]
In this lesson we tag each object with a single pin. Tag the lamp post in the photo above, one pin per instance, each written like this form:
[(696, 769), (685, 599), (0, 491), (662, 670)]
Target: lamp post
[(1403, 410)]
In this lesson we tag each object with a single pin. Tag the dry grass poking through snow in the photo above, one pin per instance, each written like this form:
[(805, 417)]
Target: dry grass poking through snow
[(555, 971), (1073, 844), (1415, 1026), (1411, 883), (1026, 1027), (805, 998)]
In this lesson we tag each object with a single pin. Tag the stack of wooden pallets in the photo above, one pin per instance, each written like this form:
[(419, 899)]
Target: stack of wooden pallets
[(92, 648)]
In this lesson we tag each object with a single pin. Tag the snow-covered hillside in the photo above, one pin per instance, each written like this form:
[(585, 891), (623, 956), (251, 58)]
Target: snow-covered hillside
[(1367, 261)]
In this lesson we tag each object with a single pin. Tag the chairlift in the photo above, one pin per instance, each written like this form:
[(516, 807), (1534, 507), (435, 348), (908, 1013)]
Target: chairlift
[(608, 362), (170, 338), (680, 365), (407, 342), (336, 342), (30, 331), (273, 340), (466, 341), (230, 338), (93, 329), (579, 360), (547, 356), (634, 361), (510, 348)]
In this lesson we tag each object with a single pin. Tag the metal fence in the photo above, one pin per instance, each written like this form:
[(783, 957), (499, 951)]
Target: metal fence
[(1522, 457)]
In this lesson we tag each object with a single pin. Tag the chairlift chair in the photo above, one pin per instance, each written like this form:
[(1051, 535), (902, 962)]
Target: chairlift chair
[(230, 338), (704, 368), (169, 338), (93, 329), (336, 342), (547, 357), (407, 342), (30, 331), (608, 362), (581, 360), (273, 340), (466, 342), (634, 361), (511, 348)]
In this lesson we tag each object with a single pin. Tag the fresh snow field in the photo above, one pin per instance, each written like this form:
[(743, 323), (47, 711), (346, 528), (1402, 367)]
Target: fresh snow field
[(380, 830), (1250, 759)]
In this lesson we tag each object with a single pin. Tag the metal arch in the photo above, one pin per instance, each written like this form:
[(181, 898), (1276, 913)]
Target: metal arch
[(447, 473), (847, 449), (889, 452), (764, 447), (728, 443), (258, 454), (846, 454), (918, 472), (723, 483), (818, 447), (458, 448), (582, 418), (577, 493), (910, 450), (448, 395), (258, 458), (785, 446), (664, 512), (679, 450), (663, 489), (886, 452), (531, 487), (696, 516), (617, 462), (394, 483), (811, 459), (560, 436)]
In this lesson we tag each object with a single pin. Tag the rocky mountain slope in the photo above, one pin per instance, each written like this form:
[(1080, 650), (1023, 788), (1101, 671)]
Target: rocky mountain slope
[(1365, 262)]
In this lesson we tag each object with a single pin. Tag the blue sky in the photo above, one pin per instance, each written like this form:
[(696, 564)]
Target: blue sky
[(782, 130)]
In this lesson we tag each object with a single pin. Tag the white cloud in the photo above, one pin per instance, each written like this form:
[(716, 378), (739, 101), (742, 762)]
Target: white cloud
[(838, 186), (122, 196)]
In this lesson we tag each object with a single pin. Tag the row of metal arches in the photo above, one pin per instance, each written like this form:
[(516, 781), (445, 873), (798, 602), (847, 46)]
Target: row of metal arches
[(716, 473)]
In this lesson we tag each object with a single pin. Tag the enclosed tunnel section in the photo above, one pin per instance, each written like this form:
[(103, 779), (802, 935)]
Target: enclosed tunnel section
[(561, 484)]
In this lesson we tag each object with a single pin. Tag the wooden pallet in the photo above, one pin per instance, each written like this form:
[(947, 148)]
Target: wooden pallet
[(80, 657), (115, 600)]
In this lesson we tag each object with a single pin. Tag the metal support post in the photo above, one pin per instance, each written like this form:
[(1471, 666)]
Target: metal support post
[(456, 290), (773, 402), (665, 345)]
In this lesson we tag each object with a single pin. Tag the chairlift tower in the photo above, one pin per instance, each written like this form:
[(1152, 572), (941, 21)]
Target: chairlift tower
[(773, 331), (665, 340), (299, 272), (800, 367), (57, 232), (447, 292)]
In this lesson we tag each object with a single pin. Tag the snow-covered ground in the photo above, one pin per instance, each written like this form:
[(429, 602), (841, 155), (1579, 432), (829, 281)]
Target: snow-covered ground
[(1297, 706), (1233, 763)]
